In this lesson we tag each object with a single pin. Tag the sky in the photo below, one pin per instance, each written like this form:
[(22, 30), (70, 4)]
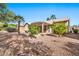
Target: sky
[(33, 12)]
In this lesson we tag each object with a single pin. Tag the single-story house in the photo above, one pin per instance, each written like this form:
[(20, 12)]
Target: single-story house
[(45, 25)]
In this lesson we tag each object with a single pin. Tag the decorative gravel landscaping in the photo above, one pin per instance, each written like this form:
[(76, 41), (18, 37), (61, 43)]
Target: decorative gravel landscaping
[(46, 45)]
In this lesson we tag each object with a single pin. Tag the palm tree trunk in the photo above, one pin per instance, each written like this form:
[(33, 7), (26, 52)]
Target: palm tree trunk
[(18, 27)]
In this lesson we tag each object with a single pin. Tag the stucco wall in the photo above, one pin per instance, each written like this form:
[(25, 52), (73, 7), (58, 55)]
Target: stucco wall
[(24, 28)]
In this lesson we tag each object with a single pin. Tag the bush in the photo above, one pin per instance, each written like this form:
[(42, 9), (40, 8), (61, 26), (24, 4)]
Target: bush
[(5, 25), (34, 29), (59, 28), (12, 25), (0, 29), (75, 30), (9, 29)]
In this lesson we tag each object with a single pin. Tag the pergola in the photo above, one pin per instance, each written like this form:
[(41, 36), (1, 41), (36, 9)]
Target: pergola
[(43, 25)]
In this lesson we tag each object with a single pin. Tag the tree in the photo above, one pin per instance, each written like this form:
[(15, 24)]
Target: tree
[(3, 5), (3, 8), (5, 14), (48, 18), (18, 19), (53, 17), (8, 16)]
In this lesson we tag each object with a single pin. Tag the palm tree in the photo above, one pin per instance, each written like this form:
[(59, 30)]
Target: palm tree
[(48, 18), (53, 16), (19, 19)]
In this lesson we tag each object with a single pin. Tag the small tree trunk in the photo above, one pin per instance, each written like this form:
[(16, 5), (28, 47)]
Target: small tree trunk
[(18, 27)]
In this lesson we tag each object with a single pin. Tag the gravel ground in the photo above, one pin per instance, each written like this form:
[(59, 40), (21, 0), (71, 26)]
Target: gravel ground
[(59, 46)]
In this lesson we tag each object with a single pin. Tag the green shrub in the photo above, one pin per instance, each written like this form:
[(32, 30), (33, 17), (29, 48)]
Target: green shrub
[(33, 29), (10, 29), (75, 30), (5, 25), (0, 29), (12, 25), (59, 28), (1, 24)]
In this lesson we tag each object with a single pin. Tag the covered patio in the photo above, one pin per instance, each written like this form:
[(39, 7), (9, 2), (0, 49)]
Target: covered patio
[(43, 26)]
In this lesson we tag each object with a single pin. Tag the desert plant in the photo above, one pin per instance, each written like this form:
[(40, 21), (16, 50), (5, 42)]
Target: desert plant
[(75, 30), (59, 28), (33, 30)]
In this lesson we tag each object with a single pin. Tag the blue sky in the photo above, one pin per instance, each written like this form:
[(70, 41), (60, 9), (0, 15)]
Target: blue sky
[(40, 11)]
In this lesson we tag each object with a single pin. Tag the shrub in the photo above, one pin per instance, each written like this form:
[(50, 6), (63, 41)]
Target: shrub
[(70, 32), (33, 29), (75, 30), (1, 24), (59, 28), (5, 25), (10, 29), (0, 29), (12, 25)]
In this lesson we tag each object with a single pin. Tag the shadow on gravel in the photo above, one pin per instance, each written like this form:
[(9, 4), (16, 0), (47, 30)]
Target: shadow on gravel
[(5, 36), (72, 35), (51, 35), (73, 48), (21, 47)]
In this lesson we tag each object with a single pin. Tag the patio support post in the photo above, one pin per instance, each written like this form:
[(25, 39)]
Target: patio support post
[(68, 25), (42, 27), (46, 28)]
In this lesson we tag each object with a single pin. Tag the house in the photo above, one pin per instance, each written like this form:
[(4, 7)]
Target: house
[(45, 25)]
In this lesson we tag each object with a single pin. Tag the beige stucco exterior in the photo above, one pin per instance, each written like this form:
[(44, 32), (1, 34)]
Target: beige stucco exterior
[(24, 28), (44, 25)]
